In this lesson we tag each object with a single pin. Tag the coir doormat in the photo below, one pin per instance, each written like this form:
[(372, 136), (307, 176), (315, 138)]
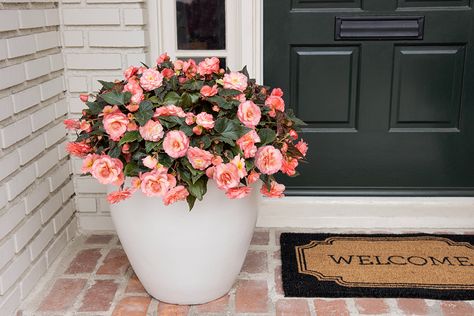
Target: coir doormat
[(416, 265)]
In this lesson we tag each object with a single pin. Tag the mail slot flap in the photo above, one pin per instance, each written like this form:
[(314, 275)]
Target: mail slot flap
[(379, 28)]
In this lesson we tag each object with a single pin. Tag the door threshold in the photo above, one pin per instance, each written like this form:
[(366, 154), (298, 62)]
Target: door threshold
[(384, 213)]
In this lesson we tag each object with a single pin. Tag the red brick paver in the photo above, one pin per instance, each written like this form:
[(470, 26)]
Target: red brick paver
[(216, 306), (62, 295), (255, 262), (371, 306), (278, 282), (251, 296), (99, 297), (295, 307), (99, 239), (412, 306), (132, 306), (116, 262), (134, 285), (260, 238), (455, 308), (165, 309), (331, 307), (84, 262)]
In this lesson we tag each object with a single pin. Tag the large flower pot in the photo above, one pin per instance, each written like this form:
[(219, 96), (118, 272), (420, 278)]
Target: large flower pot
[(182, 256)]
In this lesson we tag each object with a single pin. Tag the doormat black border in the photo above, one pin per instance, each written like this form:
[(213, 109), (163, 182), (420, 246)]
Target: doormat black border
[(296, 284)]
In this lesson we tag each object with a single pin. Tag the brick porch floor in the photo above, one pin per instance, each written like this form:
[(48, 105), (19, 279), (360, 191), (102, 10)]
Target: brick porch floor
[(94, 277)]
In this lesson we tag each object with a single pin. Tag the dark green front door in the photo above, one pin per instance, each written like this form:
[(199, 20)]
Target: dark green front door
[(386, 88)]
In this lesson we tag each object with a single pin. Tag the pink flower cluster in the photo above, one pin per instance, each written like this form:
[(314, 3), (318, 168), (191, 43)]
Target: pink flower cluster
[(178, 132)]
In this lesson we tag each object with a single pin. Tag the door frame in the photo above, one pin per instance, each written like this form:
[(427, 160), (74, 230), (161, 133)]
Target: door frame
[(393, 213)]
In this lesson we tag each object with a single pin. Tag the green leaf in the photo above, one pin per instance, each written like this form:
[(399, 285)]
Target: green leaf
[(186, 100), (165, 160), (114, 98), (172, 98), (146, 106), (107, 84), (193, 85), (266, 135), (221, 102), (115, 152), (130, 137), (171, 121), (226, 140), (197, 176), (186, 129), (199, 188), (150, 146), (191, 199), (230, 129), (144, 113), (195, 97), (203, 141), (229, 92), (131, 169), (94, 107)]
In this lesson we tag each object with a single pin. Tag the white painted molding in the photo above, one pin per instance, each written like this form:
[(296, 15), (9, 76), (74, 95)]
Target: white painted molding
[(368, 213)]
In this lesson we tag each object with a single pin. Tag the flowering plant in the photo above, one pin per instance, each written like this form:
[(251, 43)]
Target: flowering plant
[(173, 127)]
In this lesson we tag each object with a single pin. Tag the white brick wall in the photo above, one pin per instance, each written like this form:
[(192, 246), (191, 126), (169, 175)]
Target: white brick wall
[(101, 38), (36, 189)]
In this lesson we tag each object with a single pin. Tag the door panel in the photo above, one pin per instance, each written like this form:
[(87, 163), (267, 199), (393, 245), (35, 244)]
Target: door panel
[(437, 102), (385, 116), (327, 67)]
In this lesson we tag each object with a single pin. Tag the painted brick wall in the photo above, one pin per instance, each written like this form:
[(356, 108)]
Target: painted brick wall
[(101, 38), (36, 187)]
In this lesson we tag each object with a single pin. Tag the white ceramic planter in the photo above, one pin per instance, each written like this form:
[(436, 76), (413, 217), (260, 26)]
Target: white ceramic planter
[(184, 257)]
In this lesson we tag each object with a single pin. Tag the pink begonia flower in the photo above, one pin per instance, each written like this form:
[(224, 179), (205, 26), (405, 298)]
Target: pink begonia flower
[(175, 194), (302, 146), (289, 165), (150, 162), (208, 66), (216, 160), (209, 91), (71, 124), (247, 143), (132, 126), (276, 190), (205, 120), (169, 110), (190, 68), (136, 184), (240, 164), (293, 134), (268, 159), (85, 126), (241, 98), (226, 176), (200, 159), (88, 162), (78, 149), (210, 172), (162, 58), (115, 124), (190, 118), (252, 177), (176, 144), (84, 97), (132, 107), (275, 103), (167, 73), (197, 130), (156, 182), (238, 193), (249, 114), (151, 79), (118, 196), (130, 72), (235, 80), (178, 64), (108, 170), (277, 92), (151, 131)]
